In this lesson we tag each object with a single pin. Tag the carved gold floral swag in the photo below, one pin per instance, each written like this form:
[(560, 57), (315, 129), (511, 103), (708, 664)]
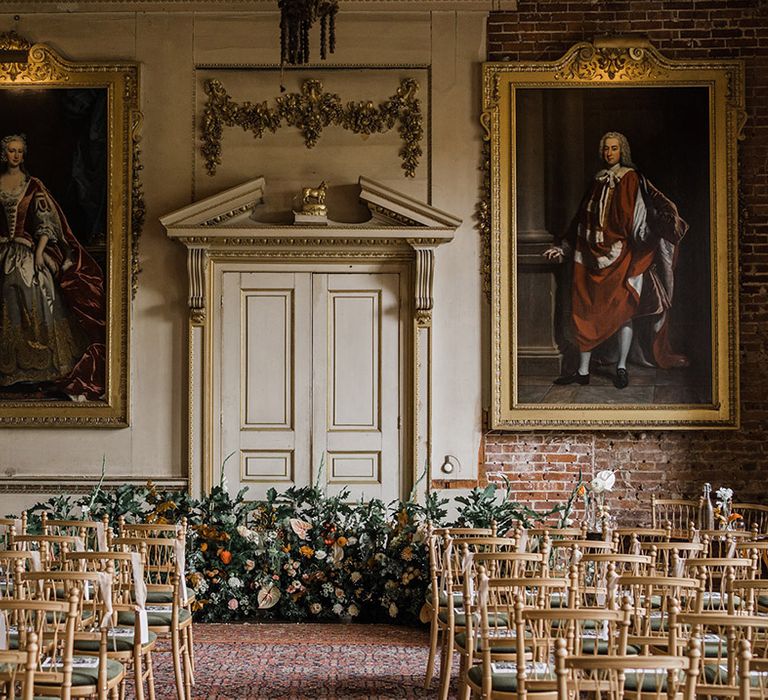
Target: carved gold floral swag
[(310, 111)]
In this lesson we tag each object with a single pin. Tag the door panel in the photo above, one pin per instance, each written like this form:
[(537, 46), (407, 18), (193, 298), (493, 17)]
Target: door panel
[(265, 383), (356, 383)]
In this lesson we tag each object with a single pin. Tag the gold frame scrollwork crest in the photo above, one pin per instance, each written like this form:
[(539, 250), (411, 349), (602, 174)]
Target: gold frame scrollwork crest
[(34, 69), (598, 77)]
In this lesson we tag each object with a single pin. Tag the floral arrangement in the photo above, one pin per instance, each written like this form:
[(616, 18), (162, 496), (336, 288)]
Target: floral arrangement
[(724, 515), (593, 494), (300, 554)]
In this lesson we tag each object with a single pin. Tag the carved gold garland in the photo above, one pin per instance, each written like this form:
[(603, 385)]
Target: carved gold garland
[(310, 111)]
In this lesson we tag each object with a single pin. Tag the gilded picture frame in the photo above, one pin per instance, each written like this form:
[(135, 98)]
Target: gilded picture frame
[(611, 230), (70, 212)]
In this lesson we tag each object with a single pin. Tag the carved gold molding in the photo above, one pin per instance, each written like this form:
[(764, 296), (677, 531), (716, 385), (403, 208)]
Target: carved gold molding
[(310, 111), (197, 260), (424, 283)]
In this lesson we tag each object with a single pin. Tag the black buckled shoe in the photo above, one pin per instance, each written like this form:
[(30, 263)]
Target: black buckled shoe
[(621, 380), (574, 378)]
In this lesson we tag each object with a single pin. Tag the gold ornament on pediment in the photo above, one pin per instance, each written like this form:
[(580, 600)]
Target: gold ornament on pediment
[(311, 110), (24, 62), (592, 62)]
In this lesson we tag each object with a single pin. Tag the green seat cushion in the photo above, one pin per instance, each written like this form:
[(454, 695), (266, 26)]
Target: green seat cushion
[(121, 641), (716, 674), (584, 624), (460, 619), (499, 645), (89, 674), (652, 680), (714, 600), (458, 598), (155, 597), (506, 682), (155, 618), (762, 600), (715, 647), (588, 647)]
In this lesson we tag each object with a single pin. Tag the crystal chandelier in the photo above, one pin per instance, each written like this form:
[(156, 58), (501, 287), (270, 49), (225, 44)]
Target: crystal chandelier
[(296, 20)]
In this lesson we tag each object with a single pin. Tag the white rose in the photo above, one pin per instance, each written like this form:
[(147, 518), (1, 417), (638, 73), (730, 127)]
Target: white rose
[(321, 554)]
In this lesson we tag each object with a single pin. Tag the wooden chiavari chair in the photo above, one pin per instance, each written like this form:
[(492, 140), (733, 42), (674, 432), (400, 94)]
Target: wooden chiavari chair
[(757, 550), (437, 597), (19, 668), (8, 531), (452, 619), (526, 573), (652, 599), (567, 552), (671, 556), (715, 576), (128, 644), (178, 531), (529, 668), (92, 535), (754, 517), (60, 672), (171, 620), (630, 540), (13, 564), (595, 570), (52, 549), (723, 637), (617, 677), (681, 514), (94, 618)]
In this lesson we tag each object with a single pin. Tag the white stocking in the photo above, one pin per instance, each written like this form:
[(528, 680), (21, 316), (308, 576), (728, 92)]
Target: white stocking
[(584, 358), (625, 341)]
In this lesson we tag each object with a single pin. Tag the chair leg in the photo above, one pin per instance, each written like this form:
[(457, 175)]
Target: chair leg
[(137, 674), (186, 662), (463, 685), (434, 629), (447, 664), (177, 674), (191, 651), (150, 676)]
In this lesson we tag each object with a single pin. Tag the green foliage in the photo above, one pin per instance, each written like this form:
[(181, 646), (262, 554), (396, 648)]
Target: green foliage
[(481, 507), (300, 554)]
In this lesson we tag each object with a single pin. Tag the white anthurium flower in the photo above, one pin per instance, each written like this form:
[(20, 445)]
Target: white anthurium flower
[(268, 597), (338, 553), (300, 527), (604, 481), (724, 494)]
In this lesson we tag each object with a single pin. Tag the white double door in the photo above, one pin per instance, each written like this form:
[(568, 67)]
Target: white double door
[(310, 382)]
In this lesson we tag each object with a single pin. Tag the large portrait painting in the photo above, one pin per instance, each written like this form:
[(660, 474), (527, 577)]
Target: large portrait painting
[(613, 240), (66, 237)]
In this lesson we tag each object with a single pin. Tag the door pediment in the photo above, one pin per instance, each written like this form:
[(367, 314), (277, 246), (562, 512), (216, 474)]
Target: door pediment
[(231, 219)]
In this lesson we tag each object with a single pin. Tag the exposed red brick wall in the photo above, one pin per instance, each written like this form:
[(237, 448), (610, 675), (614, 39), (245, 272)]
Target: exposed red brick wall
[(543, 466)]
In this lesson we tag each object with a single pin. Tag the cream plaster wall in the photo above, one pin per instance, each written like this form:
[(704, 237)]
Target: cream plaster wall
[(169, 46)]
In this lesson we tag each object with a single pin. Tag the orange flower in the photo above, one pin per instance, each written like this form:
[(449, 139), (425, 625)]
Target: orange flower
[(581, 490), (287, 548), (226, 556), (341, 541), (307, 551), (204, 547), (734, 516)]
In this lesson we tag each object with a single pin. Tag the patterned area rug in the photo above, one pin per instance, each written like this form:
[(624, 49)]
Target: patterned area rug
[(303, 662)]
